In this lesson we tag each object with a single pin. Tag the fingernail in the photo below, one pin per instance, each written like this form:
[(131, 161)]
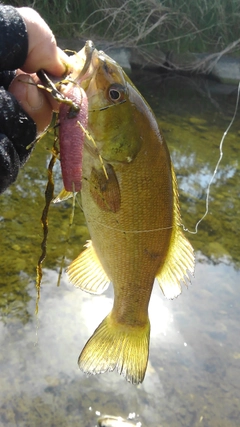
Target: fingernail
[(34, 96)]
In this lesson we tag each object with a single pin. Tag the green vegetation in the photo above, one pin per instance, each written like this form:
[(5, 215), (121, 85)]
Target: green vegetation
[(181, 26)]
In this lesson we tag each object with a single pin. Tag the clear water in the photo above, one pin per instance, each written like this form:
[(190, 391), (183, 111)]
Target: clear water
[(193, 376)]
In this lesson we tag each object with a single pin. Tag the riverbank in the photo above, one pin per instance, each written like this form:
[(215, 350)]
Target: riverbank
[(196, 37), (220, 67)]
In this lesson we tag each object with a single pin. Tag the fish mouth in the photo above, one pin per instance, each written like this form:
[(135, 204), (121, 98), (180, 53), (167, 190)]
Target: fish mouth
[(89, 49), (88, 61), (85, 64)]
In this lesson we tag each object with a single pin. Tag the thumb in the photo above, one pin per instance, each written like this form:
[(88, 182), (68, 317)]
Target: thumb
[(42, 47), (32, 100)]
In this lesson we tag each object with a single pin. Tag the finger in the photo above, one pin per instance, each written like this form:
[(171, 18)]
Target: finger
[(32, 100), (42, 50)]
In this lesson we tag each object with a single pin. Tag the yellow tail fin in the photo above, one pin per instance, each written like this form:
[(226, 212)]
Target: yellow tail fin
[(117, 346)]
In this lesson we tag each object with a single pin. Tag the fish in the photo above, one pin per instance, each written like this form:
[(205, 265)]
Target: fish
[(111, 421), (130, 202)]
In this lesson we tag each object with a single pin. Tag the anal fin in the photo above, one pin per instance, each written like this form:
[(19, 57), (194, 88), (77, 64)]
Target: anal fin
[(86, 272)]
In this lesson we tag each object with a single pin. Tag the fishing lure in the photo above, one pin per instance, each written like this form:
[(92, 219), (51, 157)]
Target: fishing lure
[(71, 138), (73, 109)]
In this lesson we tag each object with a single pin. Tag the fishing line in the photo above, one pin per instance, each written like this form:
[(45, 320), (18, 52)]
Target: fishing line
[(216, 168), (132, 231)]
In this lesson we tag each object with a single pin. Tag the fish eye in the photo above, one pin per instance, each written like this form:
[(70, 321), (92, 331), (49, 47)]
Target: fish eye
[(116, 92)]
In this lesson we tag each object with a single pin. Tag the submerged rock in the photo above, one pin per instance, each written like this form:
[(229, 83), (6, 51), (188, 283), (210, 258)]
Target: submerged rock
[(111, 421)]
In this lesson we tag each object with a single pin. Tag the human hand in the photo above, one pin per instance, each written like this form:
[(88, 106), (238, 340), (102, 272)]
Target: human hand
[(43, 53), (26, 42)]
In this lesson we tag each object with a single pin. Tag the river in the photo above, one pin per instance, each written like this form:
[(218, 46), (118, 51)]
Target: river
[(193, 375)]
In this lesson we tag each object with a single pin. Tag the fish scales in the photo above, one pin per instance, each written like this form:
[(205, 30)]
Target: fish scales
[(129, 244), (133, 216)]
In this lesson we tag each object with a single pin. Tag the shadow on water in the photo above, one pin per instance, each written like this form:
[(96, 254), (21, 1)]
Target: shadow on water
[(193, 377)]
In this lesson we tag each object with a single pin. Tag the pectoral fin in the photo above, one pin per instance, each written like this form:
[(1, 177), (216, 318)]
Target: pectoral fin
[(105, 190), (180, 257), (62, 196), (86, 272)]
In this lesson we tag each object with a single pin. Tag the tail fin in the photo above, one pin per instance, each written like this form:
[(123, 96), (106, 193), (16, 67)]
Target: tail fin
[(117, 346)]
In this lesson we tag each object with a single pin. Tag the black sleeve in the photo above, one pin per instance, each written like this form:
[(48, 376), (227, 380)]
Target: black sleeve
[(13, 39), (17, 129)]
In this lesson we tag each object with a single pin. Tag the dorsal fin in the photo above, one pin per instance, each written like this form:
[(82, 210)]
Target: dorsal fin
[(86, 272), (180, 258)]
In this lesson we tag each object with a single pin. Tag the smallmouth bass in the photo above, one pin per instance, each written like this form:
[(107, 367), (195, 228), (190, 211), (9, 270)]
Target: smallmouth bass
[(130, 202)]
